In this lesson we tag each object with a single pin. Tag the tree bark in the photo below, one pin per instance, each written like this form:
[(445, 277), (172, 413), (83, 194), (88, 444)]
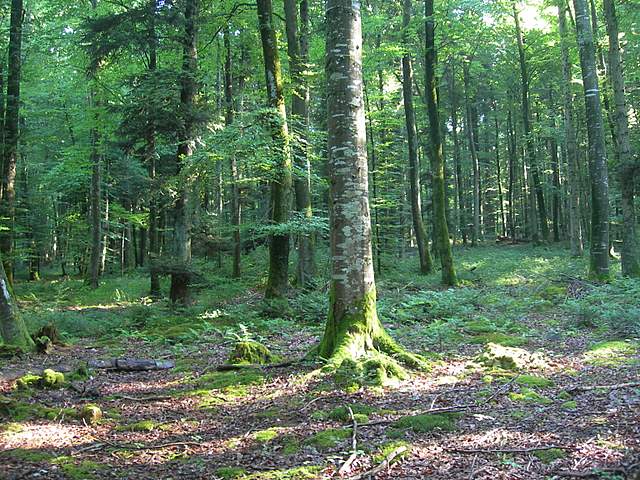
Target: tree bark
[(353, 329), (13, 330), (278, 280), (468, 127), (462, 213), (412, 142), (11, 136), (599, 253), (575, 228), (437, 158), (627, 168), (541, 212), (298, 50), (233, 163)]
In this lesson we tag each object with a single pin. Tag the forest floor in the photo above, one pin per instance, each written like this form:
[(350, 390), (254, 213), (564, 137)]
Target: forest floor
[(193, 422)]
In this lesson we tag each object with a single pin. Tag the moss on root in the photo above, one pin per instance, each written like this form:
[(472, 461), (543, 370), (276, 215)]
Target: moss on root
[(250, 352)]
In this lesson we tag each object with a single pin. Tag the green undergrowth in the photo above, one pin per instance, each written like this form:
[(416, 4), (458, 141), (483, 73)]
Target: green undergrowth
[(613, 353), (328, 439), (297, 473)]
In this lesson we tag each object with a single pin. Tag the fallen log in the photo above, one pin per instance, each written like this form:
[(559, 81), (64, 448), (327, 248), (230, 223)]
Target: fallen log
[(131, 364)]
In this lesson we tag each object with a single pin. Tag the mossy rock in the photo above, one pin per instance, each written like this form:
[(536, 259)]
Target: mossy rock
[(510, 358), (427, 422), (48, 379), (550, 455), (91, 414), (527, 395), (329, 438), (250, 352)]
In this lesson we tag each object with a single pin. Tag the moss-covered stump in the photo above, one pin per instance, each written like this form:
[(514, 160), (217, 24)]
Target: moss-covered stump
[(510, 358), (48, 379), (51, 332), (250, 352), (91, 414)]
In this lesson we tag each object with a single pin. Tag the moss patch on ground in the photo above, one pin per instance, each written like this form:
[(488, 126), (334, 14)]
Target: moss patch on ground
[(48, 379), (141, 426), (232, 384), (612, 353), (426, 423), (329, 438), (527, 395), (509, 358), (534, 381), (550, 455), (78, 470), (266, 436), (386, 448)]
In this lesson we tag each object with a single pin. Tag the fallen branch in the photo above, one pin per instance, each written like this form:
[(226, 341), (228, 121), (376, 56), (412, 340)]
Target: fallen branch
[(131, 364), (617, 386), (508, 450), (354, 444), (384, 464), (590, 473)]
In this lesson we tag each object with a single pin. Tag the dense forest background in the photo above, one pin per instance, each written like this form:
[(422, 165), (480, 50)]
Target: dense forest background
[(222, 223)]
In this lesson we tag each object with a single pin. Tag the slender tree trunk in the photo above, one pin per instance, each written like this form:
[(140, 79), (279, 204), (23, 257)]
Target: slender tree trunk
[(468, 127), (453, 95), (627, 168), (412, 141), (374, 185), (233, 164), (599, 255), (298, 49), (437, 158), (541, 212), (503, 219), (278, 280), (96, 257), (573, 181), (151, 158), (512, 150)]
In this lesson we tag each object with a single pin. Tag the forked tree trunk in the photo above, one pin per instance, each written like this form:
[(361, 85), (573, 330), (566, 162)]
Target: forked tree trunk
[(353, 328), (573, 181), (412, 142), (627, 168), (278, 280), (599, 254), (298, 49), (437, 158), (11, 136)]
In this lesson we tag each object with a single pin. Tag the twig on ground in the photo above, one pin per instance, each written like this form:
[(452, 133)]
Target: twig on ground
[(508, 450), (354, 444), (595, 473), (617, 386), (384, 464)]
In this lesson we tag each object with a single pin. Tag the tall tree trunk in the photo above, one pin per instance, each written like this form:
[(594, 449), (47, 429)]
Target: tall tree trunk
[(512, 149), (186, 145), (575, 228), (298, 50), (599, 255), (278, 280), (412, 141), (353, 329), (11, 136), (627, 168), (374, 184), (530, 141), (462, 214), (233, 164), (503, 219), (96, 257), (437, 157), (151, 157), (468, 127)]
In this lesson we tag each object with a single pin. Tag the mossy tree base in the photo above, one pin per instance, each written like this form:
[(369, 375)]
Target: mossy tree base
[(360, 352)]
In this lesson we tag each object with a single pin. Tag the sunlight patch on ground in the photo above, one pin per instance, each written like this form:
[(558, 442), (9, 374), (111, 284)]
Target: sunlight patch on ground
[(49, 435)]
